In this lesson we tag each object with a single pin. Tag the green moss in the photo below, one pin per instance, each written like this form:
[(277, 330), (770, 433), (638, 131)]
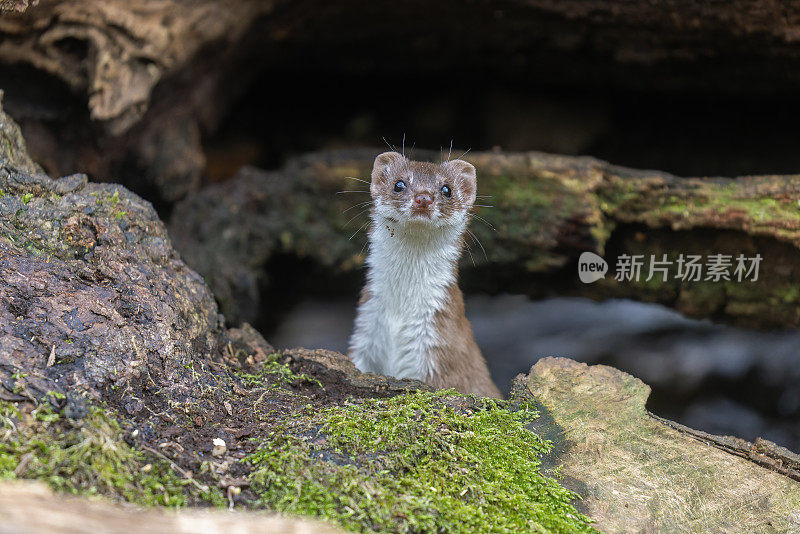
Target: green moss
[(527, 213), (730, 201), (762, 210), (618, 193), (83, 457), (790, 294), (423, 462), (280, 374)]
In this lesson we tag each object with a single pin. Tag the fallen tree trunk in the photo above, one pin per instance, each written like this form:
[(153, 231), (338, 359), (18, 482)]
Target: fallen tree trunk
[(638, 473), (545, 211), (635, 472)]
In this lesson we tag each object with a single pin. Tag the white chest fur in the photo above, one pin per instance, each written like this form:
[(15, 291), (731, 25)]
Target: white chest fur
[(409, 270)]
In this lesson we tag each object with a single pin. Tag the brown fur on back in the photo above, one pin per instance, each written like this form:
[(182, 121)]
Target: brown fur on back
[(460, 363)]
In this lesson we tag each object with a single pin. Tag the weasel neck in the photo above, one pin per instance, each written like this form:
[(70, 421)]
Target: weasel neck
[(410, 271), (412, 259)]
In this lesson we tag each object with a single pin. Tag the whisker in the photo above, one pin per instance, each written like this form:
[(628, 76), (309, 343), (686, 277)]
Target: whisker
[(340, 192), (359, 205), (484, 221), (464, 154), (469, 251), (482, 206), (354, 217), (391, 146), (450, 152), (484, 196), (404, 144), (354, 178), (471, 233), (362, 227)]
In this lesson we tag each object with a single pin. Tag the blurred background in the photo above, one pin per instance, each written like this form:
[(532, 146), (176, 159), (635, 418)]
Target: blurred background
[(171, 98)]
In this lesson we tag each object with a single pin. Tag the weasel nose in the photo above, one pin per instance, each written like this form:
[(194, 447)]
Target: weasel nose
[(423, 200)]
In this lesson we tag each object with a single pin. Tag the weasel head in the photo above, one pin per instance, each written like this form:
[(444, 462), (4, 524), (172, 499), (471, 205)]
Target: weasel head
[(421, 193)]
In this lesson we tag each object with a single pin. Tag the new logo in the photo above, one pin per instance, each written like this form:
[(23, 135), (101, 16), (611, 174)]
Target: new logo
[(591, 267)]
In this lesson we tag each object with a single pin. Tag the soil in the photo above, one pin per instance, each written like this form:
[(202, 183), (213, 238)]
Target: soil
[(239, 400)]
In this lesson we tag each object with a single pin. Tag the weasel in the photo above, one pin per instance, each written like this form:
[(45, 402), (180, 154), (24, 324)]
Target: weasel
[(410, 321)]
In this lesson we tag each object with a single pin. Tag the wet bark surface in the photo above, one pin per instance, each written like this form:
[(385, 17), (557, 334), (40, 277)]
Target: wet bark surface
[(93, 293)]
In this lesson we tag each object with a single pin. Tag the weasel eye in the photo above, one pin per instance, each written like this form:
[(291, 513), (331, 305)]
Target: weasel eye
[(400, 186), (446, 190)]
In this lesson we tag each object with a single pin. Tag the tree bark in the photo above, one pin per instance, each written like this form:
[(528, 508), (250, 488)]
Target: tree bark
[(91, 290)]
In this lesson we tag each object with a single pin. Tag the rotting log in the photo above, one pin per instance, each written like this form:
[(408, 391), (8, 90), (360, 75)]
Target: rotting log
[(117, 52), (125, 89), (639, 473), (106, 86), (545, 211), (98, 312)]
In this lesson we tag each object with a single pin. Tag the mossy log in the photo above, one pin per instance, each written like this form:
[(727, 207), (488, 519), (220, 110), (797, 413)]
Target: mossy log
[(545, 211), (639, 473)]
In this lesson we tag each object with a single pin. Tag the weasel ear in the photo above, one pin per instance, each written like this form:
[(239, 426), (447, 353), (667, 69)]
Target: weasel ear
[(464, 172), (380, 174), (385, 160)]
